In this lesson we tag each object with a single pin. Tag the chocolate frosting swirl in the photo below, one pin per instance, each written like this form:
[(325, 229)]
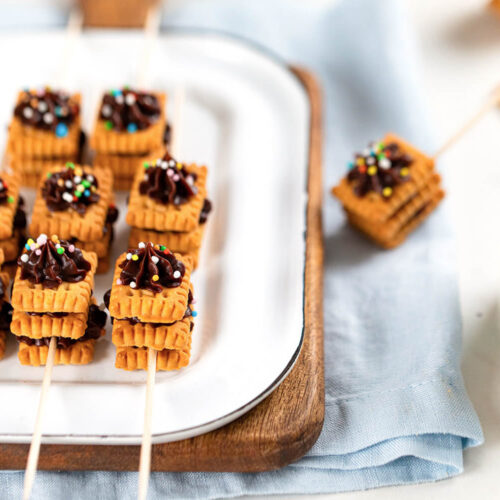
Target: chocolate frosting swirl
[(95, 323), (129, 109), (4, 193), (49, 263), (379, 168), (47, 109), (151, 267), (70, 187), (168, 181)]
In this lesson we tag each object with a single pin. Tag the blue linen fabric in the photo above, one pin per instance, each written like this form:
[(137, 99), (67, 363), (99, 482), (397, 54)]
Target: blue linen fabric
[(396, 408)]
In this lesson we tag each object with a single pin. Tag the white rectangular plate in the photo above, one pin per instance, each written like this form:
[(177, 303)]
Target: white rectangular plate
[(247, 118)]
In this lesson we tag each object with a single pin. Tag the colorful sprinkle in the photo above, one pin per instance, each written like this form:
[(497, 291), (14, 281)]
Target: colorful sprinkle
[(61, 130), (177, 274), (135, 257), (24, 257), (38, 252), (145, 165), (71, 248), (133, 284), (60, 250), (131, 128), (155, 277), (129, 256), (404, 171), (142, 244), (10, 199), (163, 248), (70, 164), (86, 193), (155, 259), (118, 281), (387, 191), (108, 125), (194, 314), (372, 170)]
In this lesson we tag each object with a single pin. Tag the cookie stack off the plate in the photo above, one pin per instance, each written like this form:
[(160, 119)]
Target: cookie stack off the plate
[(130, 128), (45, 129), (76, 203), (150, 305), (52, 297), (168, 205), (390, 188), (12, 216), (5, 307)]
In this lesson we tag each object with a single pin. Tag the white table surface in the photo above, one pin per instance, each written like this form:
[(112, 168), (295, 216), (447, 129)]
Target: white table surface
[(460, 47)]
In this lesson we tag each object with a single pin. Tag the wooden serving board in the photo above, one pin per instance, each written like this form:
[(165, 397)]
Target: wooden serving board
[(275, 433)]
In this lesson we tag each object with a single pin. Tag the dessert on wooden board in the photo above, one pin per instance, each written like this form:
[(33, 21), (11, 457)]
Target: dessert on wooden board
[(130, 128), (77, 203), (45, 129), (389, 190), (168, 206), (150, 303), (52, 297)]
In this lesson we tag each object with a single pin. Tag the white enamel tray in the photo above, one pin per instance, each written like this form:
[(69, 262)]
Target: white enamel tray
[(246, 118)]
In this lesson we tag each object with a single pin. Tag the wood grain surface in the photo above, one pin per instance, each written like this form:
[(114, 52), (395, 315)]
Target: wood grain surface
[(275, 433)]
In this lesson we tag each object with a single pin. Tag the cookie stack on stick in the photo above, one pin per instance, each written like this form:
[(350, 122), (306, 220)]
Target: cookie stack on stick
[(53, 304), (77, 203), (168, 203), (392, 187), (150, 303), (130, 128), (45, 129)]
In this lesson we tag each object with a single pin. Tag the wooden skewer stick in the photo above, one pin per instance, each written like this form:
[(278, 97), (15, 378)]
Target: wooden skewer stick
[(145, 458), (145, 462), (494, 100), (73, 31), (151, 31), (34, 452)]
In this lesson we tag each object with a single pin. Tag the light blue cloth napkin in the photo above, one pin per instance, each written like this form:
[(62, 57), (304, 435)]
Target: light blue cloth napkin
[(396, 407)]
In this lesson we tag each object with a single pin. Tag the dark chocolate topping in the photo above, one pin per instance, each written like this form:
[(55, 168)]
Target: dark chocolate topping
[(95, 323), (129, 109), (168, 181), (20, 215), (47, 110), (380, 168), (70, 187), (4, 193), (152, 268), (106, 297), (167, 134), (50, 263), (5, 316), (112, 215), (205, 210)]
